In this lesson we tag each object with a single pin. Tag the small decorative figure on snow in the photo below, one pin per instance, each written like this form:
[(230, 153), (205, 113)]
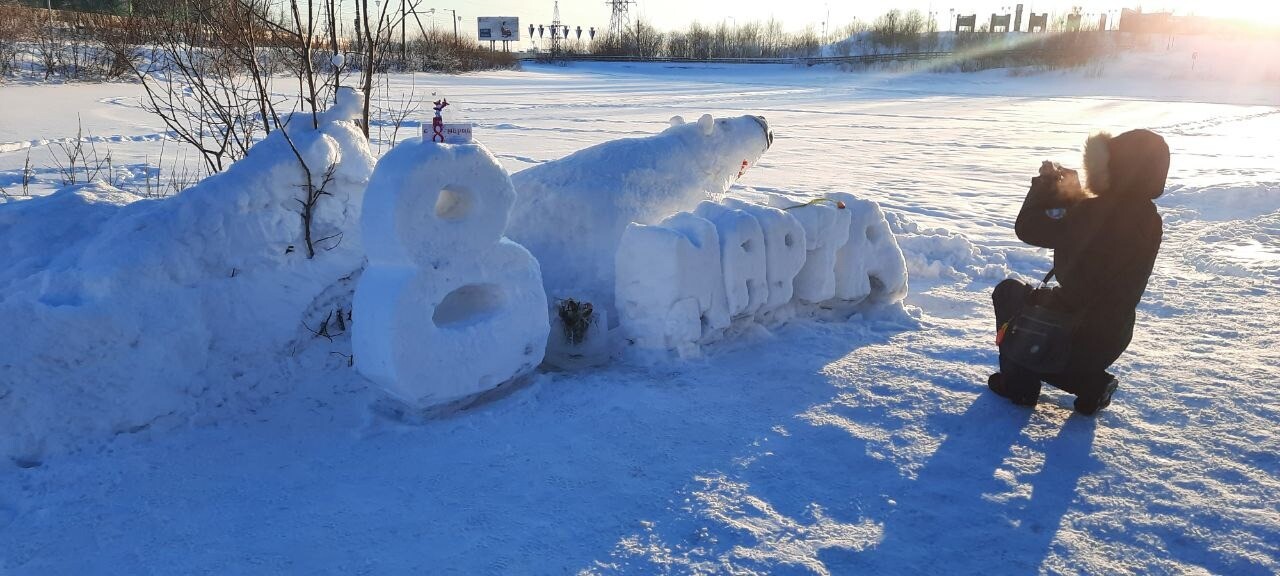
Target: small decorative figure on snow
[(437, 123)]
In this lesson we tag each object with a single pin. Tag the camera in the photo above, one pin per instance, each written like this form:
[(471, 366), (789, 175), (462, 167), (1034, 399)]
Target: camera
[(1058, 181)]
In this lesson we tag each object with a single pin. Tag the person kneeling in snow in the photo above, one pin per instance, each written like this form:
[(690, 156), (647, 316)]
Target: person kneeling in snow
[(1104, 239)]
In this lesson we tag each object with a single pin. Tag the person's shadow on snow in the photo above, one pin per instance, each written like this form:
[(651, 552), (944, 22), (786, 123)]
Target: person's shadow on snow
[(1012, 472)]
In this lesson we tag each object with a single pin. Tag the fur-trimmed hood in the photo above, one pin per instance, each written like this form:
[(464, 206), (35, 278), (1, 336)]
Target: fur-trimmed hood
[(1134, 164)]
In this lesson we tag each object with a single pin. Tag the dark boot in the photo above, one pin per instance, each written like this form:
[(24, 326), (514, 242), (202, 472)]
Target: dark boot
[(1020, 392), (1095, 395)]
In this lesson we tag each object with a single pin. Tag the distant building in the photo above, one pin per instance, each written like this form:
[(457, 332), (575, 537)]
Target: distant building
[(1167, 23)]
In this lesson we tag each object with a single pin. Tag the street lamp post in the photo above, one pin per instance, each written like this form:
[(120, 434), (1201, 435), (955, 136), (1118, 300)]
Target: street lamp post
[(455, 20)]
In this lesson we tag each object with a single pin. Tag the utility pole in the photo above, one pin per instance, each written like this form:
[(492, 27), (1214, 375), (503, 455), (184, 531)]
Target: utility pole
[(825, 24), (404, 46)]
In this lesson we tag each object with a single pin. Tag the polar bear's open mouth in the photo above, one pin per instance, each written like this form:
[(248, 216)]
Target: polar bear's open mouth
[(768, 134)]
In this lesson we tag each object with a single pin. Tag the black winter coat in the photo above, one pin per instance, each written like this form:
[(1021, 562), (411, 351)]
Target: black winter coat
[(1104, 249)]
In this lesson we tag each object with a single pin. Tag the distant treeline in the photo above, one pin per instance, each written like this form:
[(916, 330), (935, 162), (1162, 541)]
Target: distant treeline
[(892, 32)]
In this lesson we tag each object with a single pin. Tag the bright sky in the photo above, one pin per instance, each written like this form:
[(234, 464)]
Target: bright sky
[(796, 14)]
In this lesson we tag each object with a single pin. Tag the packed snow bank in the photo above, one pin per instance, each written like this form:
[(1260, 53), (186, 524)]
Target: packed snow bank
[(571, 213), (938, 253), (673, 294), (1225, 201), (447, 308), (139, 313), (1242, 227)]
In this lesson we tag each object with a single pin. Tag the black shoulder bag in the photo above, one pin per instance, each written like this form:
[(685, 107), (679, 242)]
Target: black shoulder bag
[(1038, 338)]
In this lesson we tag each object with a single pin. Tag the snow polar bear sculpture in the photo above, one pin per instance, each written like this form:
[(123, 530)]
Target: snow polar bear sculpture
[(673, 295), (870, 264), (447, 307), (571, 213)]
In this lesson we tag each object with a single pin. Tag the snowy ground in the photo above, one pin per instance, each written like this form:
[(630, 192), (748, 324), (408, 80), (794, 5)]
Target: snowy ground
[(868, 447)]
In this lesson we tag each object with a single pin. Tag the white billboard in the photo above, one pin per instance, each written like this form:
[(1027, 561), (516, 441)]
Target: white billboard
[(499, 28)]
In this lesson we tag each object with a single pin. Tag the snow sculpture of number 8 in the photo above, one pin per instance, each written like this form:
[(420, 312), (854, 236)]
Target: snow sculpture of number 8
[(447, 307)]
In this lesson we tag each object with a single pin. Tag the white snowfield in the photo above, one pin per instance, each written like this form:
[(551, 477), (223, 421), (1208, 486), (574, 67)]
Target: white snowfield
[(866, 447)]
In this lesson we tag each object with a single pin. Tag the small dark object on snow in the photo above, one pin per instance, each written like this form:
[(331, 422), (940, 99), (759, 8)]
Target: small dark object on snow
[(576, 317)]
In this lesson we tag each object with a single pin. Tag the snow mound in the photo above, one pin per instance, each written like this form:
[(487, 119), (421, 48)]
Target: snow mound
[(188, 289), (1246, 249), (672, 294), (1225, 202), (571, 213), (447, 308), (937, 253)]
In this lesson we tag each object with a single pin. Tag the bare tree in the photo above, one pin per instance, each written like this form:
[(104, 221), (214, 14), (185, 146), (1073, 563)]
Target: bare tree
[(210, 79), (375, 38)]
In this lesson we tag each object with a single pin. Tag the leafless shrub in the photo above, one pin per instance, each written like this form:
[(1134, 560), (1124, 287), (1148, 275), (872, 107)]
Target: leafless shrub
[(81, 46), (14, 25), (1082, 50), (766, 39), (162, 184), (77, 163), (27, 174), (439, 51), (395, 112), (900, 31)]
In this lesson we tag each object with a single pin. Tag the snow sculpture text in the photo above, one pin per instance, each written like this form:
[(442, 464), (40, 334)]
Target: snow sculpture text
[(784, 250), (742, 257), (447, 307), (571, 213), (870, 264), (673, 294), (826, 229)]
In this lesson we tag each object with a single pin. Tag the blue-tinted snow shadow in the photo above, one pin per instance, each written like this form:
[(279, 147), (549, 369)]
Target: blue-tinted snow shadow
[(554, 477), (547, 480), (958, 514), (973, 508), (843, 493), (575, 472)]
